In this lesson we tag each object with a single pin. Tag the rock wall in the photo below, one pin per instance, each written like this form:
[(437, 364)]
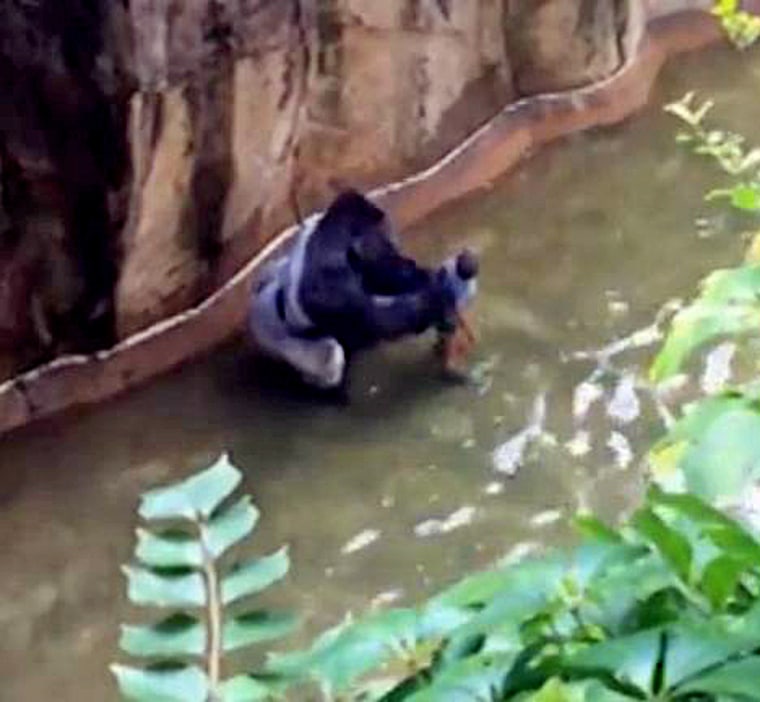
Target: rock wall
[(150, 147), (64, 80)]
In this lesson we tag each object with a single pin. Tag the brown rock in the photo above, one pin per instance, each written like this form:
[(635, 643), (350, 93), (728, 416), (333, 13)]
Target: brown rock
[(561, 44)]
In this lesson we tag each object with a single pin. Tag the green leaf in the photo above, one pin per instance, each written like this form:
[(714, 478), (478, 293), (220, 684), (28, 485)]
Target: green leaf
[(147, 587), (720, 578), (169, 549), (744, 196), (480, 677), (737, 543), (593, 528), (254, 576), (586, 691), (728, 304), (197, 496), (245, 688), (737, 679), (726, 458), (696, 325), (694, 648), (531, 585), (674, 548), (535, 575), (229, 527), (719, 454), (692, 507), (159, 685), (342, 655), (630, 659), (255, 627), (179, 635)]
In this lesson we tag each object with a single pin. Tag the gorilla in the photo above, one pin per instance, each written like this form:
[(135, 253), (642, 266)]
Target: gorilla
[(344, 286)]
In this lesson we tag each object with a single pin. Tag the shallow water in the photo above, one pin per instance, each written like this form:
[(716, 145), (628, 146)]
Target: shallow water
[(395, 495)]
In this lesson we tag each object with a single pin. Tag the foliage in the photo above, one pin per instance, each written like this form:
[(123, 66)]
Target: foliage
[(742, 27), (713, 451), (728, 305), (726, 148), (177, 568), (666, 608)]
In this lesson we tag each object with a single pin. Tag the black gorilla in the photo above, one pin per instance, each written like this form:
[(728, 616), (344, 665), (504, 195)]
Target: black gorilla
[(344, 286)]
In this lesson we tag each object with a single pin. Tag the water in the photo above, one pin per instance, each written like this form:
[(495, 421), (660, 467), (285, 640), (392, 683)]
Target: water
[(399, 493)]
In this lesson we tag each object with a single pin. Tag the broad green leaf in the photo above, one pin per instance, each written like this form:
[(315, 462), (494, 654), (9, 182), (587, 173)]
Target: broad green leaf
[(737, 543), (342, 655), (674, 548), (732, 285), (254, 576), (593, 528), (721, 455), (692, 507), (630, 659), (586, 691), (475, 678), (147, 587), (172, 685), (728, 304), (720, 578), (475, 590), (230, 527), (255, 627), (179, 635), (481, 588), (437, 620), (694, 648), (594, 559), (696, 325), (169, 549), (197, 496), (622, 591), (532, 585), (738, 679), (726, 458), (245, 688)]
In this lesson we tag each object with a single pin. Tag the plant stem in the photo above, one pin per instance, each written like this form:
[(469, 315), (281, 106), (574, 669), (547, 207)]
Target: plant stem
[(214, 618)]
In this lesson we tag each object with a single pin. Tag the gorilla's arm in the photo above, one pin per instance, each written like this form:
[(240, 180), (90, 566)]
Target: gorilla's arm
[(384, 270), (341, 307)]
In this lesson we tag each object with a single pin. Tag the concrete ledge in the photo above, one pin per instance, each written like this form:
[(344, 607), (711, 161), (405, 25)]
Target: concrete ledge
[(500, 145)]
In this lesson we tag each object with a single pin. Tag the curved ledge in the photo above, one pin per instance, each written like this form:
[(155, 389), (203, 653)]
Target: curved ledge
[(76, 381)]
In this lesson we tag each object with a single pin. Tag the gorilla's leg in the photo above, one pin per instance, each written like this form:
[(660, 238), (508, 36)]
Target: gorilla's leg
[(320, 361)]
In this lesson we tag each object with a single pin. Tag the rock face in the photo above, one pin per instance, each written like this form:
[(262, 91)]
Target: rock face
[(149, 147), (63, 162), (560, 44)]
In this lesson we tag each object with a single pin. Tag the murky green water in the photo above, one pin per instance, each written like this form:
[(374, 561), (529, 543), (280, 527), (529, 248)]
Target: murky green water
[(582, 246)]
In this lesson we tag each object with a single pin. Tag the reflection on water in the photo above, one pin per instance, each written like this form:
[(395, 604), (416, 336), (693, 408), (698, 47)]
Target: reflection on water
[(398, 493)]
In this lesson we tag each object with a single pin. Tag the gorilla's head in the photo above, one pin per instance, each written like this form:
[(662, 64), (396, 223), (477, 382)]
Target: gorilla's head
[(353, 209), (367, 226)]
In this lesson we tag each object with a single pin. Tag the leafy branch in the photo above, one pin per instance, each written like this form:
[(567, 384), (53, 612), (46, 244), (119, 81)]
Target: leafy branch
[(178, 566), (742, 28), (726, 148)]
